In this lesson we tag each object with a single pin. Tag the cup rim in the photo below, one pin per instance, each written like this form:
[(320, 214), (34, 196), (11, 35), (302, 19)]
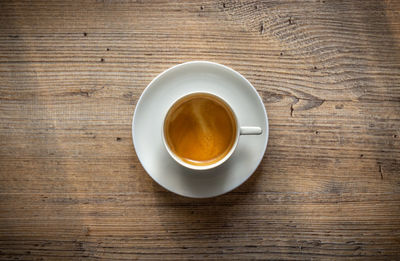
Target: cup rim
[(201, 167)]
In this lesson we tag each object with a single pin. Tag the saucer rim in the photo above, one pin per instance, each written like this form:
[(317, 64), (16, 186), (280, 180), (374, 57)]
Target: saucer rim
[(217, 65)]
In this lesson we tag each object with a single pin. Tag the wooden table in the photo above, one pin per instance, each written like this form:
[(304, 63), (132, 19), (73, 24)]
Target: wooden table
[(71, 185)]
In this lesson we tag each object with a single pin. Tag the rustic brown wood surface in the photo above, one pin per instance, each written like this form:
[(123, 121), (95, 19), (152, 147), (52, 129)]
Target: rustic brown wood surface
[(71, 185)]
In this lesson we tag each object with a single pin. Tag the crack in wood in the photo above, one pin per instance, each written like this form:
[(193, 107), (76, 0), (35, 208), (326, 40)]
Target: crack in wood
[(85, 93), (262, 29), (291, 110)]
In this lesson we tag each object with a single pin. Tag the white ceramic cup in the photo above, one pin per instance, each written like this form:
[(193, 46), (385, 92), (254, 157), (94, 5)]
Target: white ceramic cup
[(240, 130)]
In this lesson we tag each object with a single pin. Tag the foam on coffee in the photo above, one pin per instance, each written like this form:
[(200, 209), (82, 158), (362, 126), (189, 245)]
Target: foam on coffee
[(200, 129)]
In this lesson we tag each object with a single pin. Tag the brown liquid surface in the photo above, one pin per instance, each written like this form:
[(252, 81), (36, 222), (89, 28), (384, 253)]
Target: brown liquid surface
[(200, 129)]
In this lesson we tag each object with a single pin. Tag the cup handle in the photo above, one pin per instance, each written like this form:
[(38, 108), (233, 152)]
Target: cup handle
[(250, 131)]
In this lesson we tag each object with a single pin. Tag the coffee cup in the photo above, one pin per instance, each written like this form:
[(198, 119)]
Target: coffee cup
[(201, 131)]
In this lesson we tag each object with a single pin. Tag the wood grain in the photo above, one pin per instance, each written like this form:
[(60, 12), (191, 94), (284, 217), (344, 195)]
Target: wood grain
[(72, 188)]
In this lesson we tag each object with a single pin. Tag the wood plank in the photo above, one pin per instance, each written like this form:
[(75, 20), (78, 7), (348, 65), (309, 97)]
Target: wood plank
[(71, 185)]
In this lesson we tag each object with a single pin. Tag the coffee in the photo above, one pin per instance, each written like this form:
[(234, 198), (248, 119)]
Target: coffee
[(200, 129)]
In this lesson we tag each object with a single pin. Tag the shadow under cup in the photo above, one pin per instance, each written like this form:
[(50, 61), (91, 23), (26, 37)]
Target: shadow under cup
[(200, 131)]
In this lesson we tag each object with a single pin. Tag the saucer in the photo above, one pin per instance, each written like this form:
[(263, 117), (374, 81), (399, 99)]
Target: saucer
[(154, 103)]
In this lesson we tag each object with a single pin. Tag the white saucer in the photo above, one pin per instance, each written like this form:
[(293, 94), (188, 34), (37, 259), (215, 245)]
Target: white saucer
[(176, 82)]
